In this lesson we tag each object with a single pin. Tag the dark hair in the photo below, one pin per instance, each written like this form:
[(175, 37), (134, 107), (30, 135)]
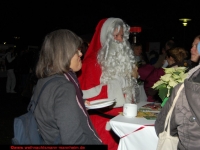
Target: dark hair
[(198, 36), (177, 53), (136, 45), (56, 53), (84, 48), (170, 44)]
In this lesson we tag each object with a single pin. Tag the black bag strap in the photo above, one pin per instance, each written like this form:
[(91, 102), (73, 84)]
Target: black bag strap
[(32, 105)]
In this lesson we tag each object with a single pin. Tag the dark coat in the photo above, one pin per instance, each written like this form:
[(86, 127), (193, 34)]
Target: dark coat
[(185, 119), (59, 112)]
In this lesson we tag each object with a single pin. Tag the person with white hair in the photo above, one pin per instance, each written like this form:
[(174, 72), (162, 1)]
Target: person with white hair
[(109, 71)]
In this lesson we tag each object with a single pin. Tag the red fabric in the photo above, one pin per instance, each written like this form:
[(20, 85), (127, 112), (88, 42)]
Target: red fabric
[(150, 75), (108, 137), (89, 77)]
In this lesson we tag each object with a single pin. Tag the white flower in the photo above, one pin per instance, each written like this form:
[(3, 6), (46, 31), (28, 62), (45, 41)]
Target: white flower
[(172, 77)]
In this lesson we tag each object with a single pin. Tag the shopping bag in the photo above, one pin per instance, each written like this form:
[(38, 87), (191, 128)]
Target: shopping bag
[(165, 140)]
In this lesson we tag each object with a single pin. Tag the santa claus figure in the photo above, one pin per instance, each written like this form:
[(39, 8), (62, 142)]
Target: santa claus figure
[(109, 71)]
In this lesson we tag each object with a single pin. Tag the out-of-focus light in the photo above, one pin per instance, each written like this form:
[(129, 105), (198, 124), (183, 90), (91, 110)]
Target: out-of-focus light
[(136, 29), (185, 20), (16, 37), (184, 23), (4, 43), (15, 46)]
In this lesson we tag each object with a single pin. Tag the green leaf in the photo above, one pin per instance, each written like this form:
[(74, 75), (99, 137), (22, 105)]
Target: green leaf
[(176, 76), (176, 73), (161, 86), (157, 84), (163, 92)]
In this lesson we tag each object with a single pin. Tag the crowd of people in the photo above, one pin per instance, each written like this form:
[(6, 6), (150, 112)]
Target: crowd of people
[(108, 68), (185, 119), (20, 66)]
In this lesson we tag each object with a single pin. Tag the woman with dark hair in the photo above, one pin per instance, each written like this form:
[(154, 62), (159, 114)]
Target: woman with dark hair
[(161, 59), (149, 74), (61, 112)]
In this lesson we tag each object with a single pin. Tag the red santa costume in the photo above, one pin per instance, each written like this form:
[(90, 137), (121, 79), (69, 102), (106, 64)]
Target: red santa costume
[(106, 73)]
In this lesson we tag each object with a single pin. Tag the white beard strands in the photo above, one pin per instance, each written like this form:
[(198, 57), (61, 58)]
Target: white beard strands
[(118, 63)]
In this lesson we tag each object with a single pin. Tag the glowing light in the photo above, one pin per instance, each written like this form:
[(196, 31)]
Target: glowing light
[(136, 29), (16, 37), (185, 20), (184, 23)]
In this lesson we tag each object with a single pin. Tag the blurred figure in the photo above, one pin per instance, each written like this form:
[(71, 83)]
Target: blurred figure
[(149, 74), (109, 71), (161, 60), (139, 54), (61, 112), (10, 64), (25, 60), (153, 57)]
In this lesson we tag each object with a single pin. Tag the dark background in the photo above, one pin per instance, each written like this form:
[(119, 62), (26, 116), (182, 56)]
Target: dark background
[(32, 20)]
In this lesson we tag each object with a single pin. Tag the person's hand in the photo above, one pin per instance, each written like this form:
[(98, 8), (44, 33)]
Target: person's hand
[(135, 72), (87, 102)]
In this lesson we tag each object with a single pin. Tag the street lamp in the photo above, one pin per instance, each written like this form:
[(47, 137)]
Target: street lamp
[(185, 20)]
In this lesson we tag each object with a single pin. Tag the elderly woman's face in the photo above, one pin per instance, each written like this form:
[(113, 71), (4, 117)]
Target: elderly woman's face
[(194, 51), (118, 35), (76, 63)]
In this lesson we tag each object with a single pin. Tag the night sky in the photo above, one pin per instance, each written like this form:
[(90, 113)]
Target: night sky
[(159, 20)]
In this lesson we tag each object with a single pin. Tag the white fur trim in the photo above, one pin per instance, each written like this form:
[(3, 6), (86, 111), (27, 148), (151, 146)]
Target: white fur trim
[(114, 92), (92, 92)]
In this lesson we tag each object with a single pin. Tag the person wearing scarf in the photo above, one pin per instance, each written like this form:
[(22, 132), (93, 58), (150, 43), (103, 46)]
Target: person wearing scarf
[(60, 113)]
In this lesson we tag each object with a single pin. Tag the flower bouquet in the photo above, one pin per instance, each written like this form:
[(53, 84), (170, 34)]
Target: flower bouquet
[(167, 82)]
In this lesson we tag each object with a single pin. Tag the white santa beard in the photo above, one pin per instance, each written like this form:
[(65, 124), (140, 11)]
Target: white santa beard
[(118, 63)]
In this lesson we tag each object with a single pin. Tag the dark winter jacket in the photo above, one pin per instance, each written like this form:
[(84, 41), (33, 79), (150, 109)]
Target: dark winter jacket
[(185, 119)]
